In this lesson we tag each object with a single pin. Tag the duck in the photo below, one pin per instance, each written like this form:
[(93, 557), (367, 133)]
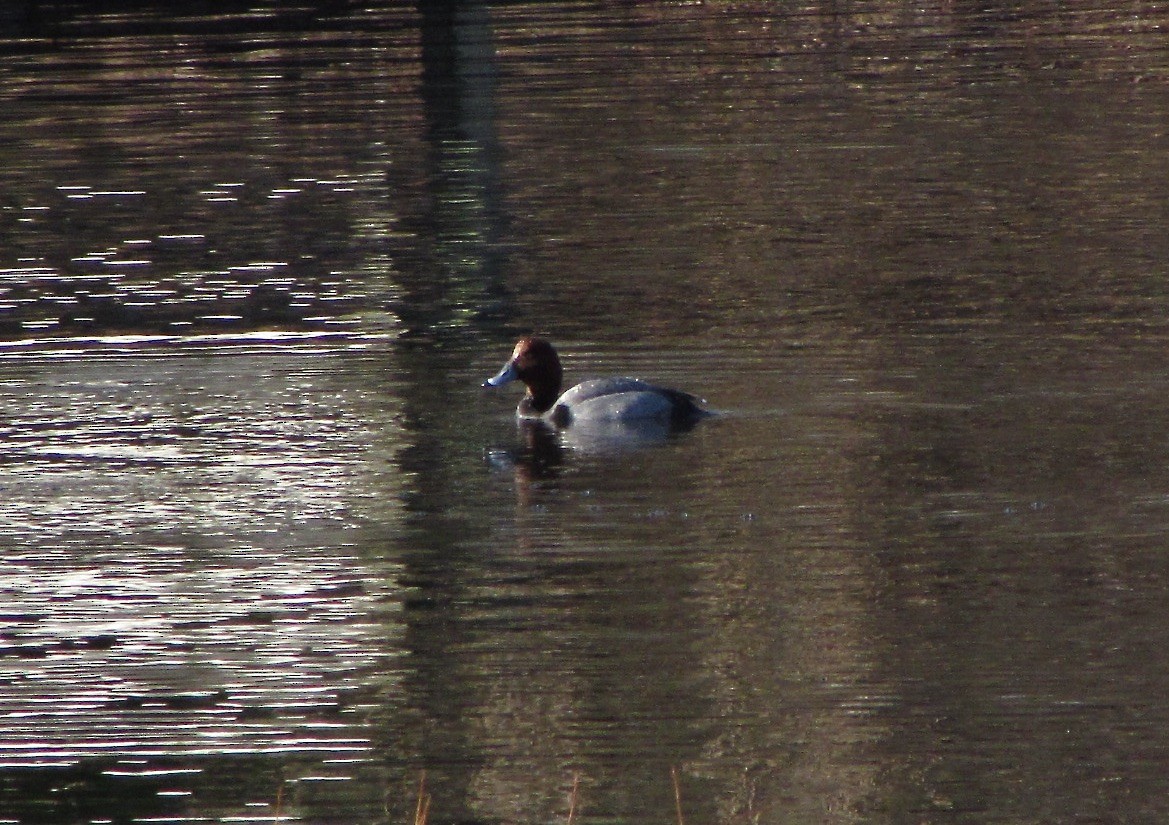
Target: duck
[(535, 363)]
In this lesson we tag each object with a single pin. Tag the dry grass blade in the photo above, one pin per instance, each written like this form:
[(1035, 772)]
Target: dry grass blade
[(677, 794), (422, 809), (574, 798)]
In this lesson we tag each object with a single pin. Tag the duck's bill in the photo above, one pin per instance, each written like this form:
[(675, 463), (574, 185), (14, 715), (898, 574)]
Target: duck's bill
[(508, 373)]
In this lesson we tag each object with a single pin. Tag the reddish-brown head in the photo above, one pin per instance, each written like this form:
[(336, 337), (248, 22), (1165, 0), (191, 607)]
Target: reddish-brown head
[(534, 362)]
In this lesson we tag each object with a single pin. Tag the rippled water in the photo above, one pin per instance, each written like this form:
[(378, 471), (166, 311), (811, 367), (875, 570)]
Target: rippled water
[(269, 552), (184, 585)]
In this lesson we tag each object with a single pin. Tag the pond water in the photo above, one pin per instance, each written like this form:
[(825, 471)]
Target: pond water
[(268, 552)]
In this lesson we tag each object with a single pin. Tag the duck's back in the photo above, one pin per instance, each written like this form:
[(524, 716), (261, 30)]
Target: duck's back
[(624, 399)]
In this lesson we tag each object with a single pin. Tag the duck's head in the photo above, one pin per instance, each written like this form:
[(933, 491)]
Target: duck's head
[(535, 363)]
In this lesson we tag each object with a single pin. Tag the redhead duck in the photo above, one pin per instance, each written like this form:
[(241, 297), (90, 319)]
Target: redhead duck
[(534, 362)]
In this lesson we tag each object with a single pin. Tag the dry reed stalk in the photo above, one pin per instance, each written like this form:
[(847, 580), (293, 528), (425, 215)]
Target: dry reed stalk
[(574, 797), (677, 794), (279, 800), (422, 809)]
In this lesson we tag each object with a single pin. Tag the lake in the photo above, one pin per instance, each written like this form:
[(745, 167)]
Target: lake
[(271, 553)]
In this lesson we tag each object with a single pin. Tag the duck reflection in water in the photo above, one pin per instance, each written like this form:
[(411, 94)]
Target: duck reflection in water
[(544, 446), (538, 457), (536, 462)]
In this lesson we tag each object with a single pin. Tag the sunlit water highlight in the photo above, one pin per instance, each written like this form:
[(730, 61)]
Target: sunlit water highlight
[(183, 577)]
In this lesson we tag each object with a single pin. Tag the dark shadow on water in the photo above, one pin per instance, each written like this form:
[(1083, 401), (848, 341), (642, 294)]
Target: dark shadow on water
[(65, 21), (448, 274)]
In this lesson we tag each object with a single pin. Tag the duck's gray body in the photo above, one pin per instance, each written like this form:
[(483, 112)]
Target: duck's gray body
[(622, 399)]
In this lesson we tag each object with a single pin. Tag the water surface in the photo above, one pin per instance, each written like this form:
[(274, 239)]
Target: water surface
[(269, 551)]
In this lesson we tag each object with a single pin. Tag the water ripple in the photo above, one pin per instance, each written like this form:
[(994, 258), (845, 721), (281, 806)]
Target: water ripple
[(179, 578)]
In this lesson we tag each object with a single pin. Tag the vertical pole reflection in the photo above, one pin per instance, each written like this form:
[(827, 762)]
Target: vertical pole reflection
[(456, 276), (449, 277)]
